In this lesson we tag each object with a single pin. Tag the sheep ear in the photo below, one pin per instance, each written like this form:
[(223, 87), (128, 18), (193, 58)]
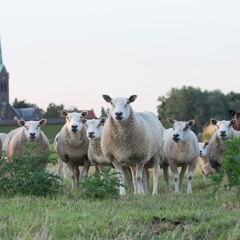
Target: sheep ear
[(83, 120), (232, 122), (191, 122), (84, 113), (213, 121), (205, 144), (63, 113), (103, 120), (21, 123), (132, 98), (231, 112), (42, 121), (107, 98), (171, 120)]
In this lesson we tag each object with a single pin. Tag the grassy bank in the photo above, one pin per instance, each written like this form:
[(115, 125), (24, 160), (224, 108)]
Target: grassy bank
[(165, 216)]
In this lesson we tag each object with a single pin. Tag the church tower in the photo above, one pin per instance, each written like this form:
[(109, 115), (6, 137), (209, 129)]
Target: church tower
[(4, 89)]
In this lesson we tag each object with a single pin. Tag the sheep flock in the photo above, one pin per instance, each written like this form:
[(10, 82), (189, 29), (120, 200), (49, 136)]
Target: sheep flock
[(134, 144)]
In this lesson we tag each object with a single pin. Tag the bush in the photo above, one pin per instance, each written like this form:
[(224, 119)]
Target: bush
[(28, 175), (101, 185), (229, 175)]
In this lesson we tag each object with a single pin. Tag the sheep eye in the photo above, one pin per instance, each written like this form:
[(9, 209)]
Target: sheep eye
[(99, 124), (185, 128), (86, 125), (112, 104)]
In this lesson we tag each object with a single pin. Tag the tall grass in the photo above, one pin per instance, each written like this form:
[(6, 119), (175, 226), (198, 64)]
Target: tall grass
[(200, 215)]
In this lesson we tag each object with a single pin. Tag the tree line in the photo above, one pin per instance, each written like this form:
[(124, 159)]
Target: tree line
[(181, 104)]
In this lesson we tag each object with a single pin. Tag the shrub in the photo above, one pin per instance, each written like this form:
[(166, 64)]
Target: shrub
[(101, 185), (229, 175), (28, 175)]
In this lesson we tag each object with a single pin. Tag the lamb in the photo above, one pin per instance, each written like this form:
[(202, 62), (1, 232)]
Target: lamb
[(236, 116), (204, 164), (217, 147), (131, 139), (29, 132), (72, 145), (180, 148), (95, 155)]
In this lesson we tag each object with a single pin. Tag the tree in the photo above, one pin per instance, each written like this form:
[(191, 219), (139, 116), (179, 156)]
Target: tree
[(192, 103), (53, 110), (103, 112), (23, 104)]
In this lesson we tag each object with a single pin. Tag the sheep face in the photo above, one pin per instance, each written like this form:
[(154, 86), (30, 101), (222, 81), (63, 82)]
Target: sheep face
[(224, 128), (180, 129), (73, 120), (203, 148), (236, 116), (120, 107), (94, 127), (32, 129)]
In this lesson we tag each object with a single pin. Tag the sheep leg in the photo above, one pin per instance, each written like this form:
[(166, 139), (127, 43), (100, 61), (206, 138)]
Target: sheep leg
[(60, 165), (76, 174), (181, 176), (155, 176), (145, 177), (134, 177), (128, 177), (119, 169), (174, 170), (84, 170), (65, 170), (166, 176), (191, 169), (139, 171), (72, 174)]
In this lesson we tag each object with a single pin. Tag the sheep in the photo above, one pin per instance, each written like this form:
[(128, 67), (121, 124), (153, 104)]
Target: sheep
[(236, 116), (204, 164), (29, 132), (180, 148), (217, 147), (72, 146), (95, 155), (131, 139)]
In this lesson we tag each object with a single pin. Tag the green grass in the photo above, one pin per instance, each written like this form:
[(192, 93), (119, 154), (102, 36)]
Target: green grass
[(165, 216)]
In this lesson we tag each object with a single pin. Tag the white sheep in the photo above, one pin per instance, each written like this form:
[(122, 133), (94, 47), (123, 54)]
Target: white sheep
[(180, 147), (95, 155), (29, 131), (72, 145), (217, 147), (204, 164), (131, 139)]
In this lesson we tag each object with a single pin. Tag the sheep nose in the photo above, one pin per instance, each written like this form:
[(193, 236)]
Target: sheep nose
[(222, 133), (119, 115), (200, 152), (176, 137), (74, 128), (32, 135), (91, 134)]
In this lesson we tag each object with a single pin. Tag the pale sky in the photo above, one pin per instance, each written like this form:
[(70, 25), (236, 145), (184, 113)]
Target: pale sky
[(72, 52)]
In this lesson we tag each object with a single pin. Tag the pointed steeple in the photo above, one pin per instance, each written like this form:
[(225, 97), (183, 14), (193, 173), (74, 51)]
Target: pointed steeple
[(1, 63)]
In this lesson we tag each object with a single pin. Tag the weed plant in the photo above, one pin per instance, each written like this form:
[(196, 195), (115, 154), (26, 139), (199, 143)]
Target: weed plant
[(102, 184), (27, 175), (229, 175)]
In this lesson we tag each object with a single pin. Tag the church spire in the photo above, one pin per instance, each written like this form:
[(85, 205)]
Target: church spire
[(1, 63)]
